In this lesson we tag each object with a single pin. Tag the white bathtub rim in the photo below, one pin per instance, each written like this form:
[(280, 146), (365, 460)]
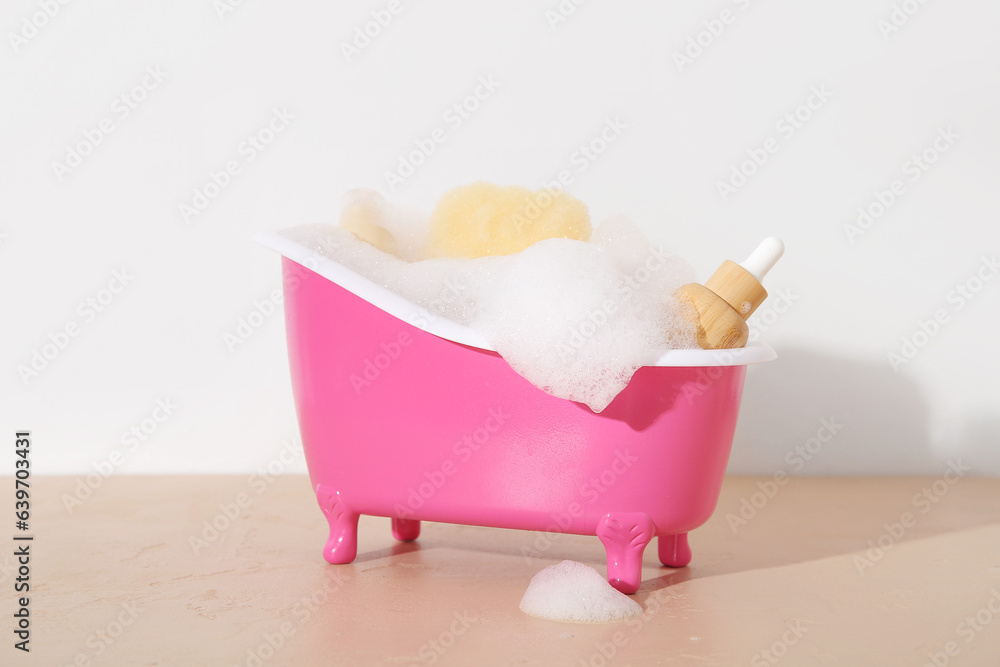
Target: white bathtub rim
[(421, 318)]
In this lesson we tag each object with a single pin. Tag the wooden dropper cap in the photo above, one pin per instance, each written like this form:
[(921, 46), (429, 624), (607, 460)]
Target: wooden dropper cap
[(730, 296)]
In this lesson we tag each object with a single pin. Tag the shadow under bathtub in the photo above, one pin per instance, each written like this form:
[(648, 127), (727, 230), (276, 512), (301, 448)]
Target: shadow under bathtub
[(806, 414)]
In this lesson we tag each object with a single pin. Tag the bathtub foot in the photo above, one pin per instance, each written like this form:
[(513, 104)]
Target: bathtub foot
[(625, 536), (674, 550), (405, 530), (342, 545)]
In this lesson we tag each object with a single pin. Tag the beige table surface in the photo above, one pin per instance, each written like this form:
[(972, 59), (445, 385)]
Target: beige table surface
[(117, 581)]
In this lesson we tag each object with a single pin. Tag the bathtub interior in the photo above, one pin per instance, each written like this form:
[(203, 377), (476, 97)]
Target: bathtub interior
[(407, 311)]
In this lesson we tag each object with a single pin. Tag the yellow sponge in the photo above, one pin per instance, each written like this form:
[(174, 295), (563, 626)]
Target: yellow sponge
[(362, 213), (485, 219)]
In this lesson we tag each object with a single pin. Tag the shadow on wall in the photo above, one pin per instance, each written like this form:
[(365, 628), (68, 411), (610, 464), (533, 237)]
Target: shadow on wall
[(811, 413), (978, 441)]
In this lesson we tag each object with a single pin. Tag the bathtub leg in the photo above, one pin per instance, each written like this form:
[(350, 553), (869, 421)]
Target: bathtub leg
[(625, 536), (342, 545), (674, 550), (405, 530)]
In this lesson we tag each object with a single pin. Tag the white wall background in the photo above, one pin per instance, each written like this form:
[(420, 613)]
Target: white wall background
[(225, 72)]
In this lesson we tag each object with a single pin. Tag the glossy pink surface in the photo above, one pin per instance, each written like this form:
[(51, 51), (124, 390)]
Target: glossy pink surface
[(400, 423)]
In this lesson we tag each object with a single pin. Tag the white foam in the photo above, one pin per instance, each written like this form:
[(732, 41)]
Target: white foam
[(576, 593), (576, 319)]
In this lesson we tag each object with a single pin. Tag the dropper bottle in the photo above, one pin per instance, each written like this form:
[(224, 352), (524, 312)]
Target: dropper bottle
[(730, 296)]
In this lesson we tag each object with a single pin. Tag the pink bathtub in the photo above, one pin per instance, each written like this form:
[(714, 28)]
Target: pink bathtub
[(408, 415)]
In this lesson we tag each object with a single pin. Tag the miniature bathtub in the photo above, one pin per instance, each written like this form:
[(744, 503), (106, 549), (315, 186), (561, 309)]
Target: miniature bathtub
[(408, 415)]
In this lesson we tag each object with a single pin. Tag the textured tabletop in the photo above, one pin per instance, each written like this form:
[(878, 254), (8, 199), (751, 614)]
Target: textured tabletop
[(228, 571)]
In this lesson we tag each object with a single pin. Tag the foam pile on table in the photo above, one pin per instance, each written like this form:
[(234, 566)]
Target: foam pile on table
[(576, 593)]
